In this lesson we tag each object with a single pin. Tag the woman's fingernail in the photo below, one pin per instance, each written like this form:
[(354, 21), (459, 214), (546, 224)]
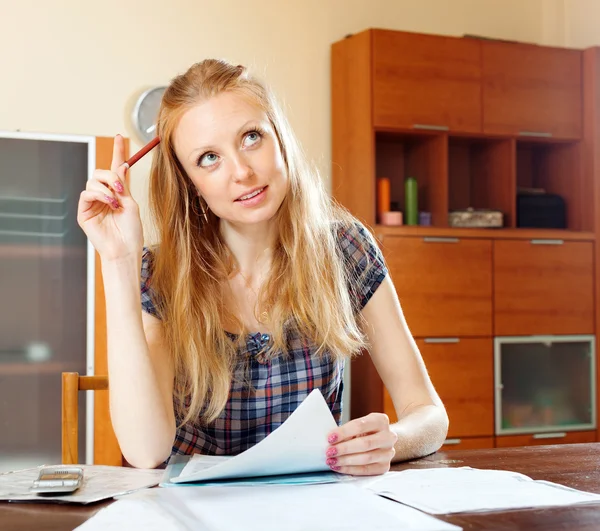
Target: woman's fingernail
[(332, 438), (336, 468), (118, 187), (331, 461), (331, 452)]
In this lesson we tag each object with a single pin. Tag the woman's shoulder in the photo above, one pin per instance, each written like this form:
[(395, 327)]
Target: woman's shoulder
[(356, 241), (364, 261)]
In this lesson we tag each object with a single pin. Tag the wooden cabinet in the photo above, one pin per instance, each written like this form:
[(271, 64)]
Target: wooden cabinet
[(426, 81), (468, 443), (543, 287), (462, 372), (444, 284), (570, 437), (473, 121), (531, 90)]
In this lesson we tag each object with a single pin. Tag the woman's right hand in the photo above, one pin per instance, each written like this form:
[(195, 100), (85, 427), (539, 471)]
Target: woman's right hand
[(107, 212)]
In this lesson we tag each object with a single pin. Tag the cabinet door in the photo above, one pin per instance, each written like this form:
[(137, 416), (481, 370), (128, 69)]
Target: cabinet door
[(531, 90), (543, 287), (444, 284), (462, 372), (426, 81)]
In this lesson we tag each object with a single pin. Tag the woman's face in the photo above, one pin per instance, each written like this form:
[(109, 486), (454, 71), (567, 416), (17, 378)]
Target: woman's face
[(229, 150)]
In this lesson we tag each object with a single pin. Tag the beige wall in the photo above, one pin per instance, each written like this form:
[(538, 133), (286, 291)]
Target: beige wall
[(582, 23), (72, 66)]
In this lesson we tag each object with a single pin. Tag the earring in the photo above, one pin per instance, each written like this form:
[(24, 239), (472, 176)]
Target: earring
[(200, 206)]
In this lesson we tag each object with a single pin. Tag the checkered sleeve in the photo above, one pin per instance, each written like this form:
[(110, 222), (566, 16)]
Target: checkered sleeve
[(364, 261), (148, 295)]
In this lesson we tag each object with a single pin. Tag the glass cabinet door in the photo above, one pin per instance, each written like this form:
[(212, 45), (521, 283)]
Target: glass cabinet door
[(545, 383), (43, 288)]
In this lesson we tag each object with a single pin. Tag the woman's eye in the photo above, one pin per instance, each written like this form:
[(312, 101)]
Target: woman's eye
[(207, 160), (252, 138)]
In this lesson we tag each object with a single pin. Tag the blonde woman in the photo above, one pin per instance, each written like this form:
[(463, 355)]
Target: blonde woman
[(260, 289)]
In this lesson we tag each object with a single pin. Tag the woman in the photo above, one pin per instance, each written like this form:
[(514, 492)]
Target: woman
[(260, 289)]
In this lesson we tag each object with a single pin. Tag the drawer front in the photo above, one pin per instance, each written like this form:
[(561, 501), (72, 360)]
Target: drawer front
[(543, 287), (444, 284), (572, 437), (426, 81), (468, 443), (461, 371)]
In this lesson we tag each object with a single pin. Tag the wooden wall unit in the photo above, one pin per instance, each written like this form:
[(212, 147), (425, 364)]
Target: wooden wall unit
[(473, 120)]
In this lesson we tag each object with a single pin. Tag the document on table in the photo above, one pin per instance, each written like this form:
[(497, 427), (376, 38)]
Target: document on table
[(99, 483), (465, 489), (339, 506), (178, 462), (297, 446)]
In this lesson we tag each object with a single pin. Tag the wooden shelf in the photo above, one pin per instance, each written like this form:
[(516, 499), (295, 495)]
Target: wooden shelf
[(508, 234), (17, 369), (49, 251)]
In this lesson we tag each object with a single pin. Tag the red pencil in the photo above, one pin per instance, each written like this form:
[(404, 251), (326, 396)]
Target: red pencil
[(148, 147)]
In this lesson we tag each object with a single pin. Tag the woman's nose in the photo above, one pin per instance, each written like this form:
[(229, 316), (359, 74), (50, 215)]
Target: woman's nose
[(242, 170)]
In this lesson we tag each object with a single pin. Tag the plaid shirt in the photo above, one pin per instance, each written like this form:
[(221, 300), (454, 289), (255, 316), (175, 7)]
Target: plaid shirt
[(277, 386)]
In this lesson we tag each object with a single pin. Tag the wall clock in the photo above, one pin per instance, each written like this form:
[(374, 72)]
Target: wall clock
[(145, 113)]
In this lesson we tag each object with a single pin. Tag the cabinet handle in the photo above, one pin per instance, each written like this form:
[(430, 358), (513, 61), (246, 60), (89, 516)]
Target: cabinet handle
[(440, 239), (431, 127), (452, 441), (547, 242), (535, 133), (556, 435), (442, 340)]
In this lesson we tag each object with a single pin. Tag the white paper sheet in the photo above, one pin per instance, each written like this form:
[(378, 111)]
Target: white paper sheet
[(297, 446), (99, 483), (333, 507), (465, 489)]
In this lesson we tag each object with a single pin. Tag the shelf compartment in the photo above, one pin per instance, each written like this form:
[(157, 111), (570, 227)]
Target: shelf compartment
[(556, 168), (481, 175), (422, 156)]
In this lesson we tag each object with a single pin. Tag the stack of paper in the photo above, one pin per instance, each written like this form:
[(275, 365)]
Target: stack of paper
[(465, 489), (297, 447), (341, 506)]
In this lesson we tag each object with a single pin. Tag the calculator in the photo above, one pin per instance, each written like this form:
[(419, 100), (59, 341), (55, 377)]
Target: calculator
[(57, 480)]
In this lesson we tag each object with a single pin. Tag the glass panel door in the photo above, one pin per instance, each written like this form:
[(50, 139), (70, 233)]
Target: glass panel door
[(545, 383), (43, 289)]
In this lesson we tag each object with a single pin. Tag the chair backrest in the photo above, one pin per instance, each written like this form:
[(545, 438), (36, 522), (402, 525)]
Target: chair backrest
[(72, 383)]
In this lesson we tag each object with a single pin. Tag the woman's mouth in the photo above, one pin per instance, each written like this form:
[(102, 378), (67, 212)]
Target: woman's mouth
[(253, 197)]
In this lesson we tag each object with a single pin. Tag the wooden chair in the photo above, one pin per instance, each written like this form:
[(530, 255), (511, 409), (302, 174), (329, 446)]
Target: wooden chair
[(106, 447)]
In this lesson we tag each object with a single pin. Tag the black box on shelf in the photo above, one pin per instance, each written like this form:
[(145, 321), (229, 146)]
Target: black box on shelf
[(541, 211)]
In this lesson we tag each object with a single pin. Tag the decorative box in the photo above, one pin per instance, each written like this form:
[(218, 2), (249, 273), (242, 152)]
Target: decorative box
[(472, 217)]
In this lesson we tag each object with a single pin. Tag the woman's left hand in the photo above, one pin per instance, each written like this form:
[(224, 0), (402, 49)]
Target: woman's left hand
[(362, 447)]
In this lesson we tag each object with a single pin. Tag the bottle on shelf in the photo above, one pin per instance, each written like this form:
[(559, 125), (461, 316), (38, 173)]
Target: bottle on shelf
[(411, 210)]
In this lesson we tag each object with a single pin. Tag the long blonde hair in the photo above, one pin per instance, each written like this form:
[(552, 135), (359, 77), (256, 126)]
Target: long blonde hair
[(307, 289)]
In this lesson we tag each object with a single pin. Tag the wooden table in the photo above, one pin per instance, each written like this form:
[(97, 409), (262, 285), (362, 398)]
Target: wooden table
[(574, 465)]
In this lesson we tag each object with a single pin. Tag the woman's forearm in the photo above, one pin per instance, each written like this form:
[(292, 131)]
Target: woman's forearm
[(141, 404), (421, 431)]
